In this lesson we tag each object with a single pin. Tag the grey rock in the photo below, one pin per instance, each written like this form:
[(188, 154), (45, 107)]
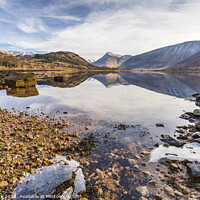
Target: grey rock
[(196, 135), (196, 112), (195, 169), (196, 95), (185, 116), (172, 141), (198, 100), (160, 125), (197, 140)]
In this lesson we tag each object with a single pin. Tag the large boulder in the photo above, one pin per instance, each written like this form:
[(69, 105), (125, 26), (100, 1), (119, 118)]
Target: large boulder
[(20, 81)]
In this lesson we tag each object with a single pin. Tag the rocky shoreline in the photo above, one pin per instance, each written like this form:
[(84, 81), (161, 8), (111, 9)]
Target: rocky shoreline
[(30, 141)]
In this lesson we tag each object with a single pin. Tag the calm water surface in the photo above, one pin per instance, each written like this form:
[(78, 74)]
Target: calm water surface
[(104, 102)]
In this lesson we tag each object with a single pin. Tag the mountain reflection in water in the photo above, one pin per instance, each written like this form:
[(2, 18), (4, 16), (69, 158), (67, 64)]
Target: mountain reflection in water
[(180, 85)]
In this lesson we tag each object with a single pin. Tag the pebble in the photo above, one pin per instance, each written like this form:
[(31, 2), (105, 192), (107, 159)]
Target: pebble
[(3, 184), (143, 190), (146, 173), (100, 173), (174, 167), (196, 112), (132, 162), (169, 190), (159, 197), (142, 198), (153, 182)]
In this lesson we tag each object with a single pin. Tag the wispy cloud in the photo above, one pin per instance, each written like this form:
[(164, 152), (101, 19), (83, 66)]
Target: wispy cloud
[(3, 3), (32, 25), (92, 27)]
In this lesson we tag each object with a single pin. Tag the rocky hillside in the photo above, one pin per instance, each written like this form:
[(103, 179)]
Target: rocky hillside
[(111, 60), (51, 61), (190, 64), (165, 57)]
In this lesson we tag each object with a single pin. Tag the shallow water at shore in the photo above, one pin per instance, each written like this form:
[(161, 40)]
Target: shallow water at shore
[(122, 117)]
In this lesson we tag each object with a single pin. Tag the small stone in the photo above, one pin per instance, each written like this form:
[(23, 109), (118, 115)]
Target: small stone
[(185, 116), (3, 184), (100, 192), (143, 190), (166, 145), (67, 194), (152, 182), (198, 125), (159, 197), (100, 173), (178, 193), (172, 141), (14, 180), (194, 169), (173, 167), (136, 166), (169, 190), (132, 162), (146, 173), (138, 157), (69, 157), (183, 188), (196, 135), (196, 112), (160, 125), (142, 198)]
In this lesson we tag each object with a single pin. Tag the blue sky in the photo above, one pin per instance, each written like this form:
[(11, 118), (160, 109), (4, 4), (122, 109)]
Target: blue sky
[(93, 27)]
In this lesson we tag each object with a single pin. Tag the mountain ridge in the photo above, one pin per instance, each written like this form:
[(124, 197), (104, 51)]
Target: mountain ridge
[(164, 57), (51, 61)]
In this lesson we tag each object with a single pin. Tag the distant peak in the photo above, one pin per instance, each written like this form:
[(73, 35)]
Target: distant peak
[(112, 54)]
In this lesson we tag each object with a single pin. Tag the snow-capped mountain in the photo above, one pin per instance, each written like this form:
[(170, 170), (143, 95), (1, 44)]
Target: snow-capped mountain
[(16, 53), (111, 60), (162, 58)]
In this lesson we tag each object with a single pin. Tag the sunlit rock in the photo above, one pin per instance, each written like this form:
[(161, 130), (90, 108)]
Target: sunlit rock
[(20, 80)]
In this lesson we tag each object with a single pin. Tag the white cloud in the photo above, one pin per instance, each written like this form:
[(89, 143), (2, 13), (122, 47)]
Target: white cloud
[(123, 26), (126, 31), (63, 17), (32, 25)]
